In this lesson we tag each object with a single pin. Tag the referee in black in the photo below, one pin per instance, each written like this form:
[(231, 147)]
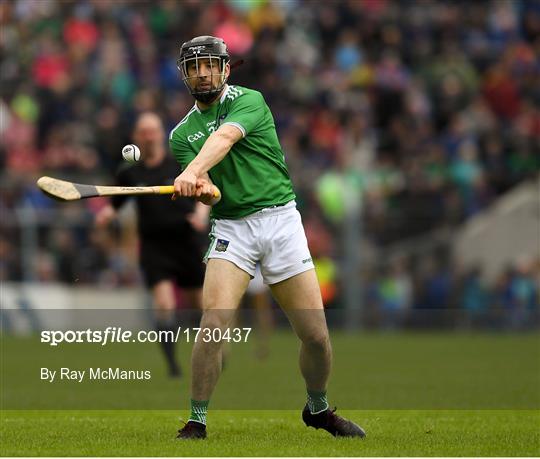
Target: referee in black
[(171, 248)]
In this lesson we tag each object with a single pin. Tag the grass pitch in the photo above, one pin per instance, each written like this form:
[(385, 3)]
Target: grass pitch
[(270, 433)]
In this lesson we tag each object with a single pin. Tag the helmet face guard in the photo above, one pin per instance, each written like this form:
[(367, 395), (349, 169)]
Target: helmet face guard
[(211, 50)]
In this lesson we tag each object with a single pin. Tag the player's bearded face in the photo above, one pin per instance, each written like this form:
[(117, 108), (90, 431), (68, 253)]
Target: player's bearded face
[(204, 74)]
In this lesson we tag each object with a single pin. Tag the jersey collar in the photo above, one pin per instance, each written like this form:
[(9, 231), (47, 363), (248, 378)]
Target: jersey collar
[(222, 98)]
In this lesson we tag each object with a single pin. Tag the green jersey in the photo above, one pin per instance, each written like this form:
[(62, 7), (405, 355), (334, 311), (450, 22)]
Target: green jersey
[(253, 175)]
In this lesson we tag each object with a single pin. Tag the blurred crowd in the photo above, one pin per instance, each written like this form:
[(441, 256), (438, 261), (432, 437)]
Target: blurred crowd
[(441, 294), (423, 111)]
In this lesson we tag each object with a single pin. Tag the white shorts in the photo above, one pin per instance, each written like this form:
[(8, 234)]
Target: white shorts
[(256, 285), (274, 237)]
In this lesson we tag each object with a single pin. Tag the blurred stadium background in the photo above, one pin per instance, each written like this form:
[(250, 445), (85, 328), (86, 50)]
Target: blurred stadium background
[(411, 130)]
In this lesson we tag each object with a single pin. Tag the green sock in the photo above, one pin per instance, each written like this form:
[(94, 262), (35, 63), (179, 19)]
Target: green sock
[(199, 408), (316, 401)]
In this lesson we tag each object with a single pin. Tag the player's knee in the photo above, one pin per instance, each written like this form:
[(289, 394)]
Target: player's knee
[(163, 302), (213, 319), (164, 306), (317, 340)]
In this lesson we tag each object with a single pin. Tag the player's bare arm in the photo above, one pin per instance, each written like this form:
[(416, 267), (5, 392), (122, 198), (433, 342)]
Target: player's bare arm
[(191, 181)]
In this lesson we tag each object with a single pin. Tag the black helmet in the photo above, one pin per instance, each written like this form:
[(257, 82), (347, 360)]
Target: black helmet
[(204, 47)]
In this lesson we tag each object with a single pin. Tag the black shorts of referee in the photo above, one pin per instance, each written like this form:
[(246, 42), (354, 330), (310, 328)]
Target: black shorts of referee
[(176, 259)]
